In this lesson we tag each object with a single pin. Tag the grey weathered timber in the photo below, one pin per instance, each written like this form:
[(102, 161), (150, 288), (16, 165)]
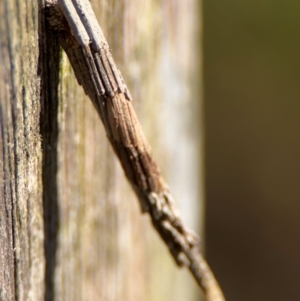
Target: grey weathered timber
[(70, 225), (21, 208)]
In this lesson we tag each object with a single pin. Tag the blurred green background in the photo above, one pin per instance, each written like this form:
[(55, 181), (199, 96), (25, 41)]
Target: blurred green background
[(252, 122)]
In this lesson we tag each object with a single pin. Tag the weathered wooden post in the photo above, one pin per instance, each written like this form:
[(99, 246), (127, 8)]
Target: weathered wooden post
[(70, 226)]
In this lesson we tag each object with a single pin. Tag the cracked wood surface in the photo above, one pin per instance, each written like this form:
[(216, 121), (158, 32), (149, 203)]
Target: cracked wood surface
[(80, 247), (21, 207)]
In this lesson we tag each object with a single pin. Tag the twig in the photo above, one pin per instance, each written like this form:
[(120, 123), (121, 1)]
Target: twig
[(82, 39)]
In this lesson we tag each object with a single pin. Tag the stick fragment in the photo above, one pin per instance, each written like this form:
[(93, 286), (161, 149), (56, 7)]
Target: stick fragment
[(82, 39)]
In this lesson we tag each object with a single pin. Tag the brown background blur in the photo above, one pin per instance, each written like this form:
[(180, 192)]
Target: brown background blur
[(252, 120)]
